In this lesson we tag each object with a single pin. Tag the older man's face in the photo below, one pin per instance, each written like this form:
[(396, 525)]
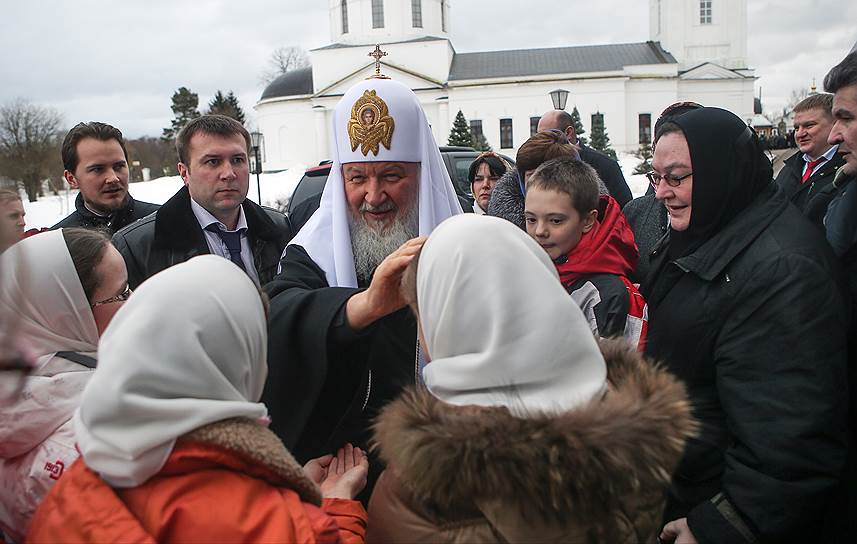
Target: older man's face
[(379, 193)]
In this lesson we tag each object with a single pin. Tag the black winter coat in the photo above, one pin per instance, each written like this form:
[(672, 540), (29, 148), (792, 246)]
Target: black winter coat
[(813, 197), (648, 218), (131, 211), (609, 172), (755, 324), (172, 236)]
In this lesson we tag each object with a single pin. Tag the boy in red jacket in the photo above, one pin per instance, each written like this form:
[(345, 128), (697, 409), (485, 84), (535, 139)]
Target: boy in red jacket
[(591, 244)]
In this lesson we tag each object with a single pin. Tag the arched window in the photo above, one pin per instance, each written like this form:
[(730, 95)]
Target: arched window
[(417, 13), (343, 7), (377, 13)]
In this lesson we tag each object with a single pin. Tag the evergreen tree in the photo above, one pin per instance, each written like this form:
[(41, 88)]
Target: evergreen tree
[(645, 155), (460, 133), (600, 139), (480, 143), (226, 105), (185, 104), (578, 126)]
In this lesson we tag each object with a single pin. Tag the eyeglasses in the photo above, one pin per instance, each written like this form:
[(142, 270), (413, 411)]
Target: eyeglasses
[(121, 297), (672, 181)]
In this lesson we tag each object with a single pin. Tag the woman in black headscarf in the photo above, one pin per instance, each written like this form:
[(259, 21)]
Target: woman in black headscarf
[(746, 306)]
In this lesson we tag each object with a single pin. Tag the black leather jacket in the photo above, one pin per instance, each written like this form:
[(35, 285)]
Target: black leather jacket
[(131, 211), (172, 235)]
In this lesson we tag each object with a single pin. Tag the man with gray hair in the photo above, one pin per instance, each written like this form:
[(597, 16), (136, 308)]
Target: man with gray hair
[(211, 213), (809, 177), (342, 342)]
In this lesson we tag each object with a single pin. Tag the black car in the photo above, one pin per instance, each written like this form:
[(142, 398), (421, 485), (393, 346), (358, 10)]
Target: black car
[(307, 195)]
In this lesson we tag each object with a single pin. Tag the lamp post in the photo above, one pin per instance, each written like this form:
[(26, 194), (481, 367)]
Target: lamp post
[(558, 97), (256, 141)]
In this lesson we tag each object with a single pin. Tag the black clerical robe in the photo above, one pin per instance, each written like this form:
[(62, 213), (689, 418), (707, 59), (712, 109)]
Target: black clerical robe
[(319, 391)]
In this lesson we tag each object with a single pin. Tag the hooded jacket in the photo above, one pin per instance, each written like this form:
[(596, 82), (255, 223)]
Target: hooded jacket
[(130, 211), (230, 481), (479, 474), (595, 273), (37, 440)]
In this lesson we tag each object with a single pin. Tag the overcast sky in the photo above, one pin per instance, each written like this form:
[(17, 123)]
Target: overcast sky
[(120, 62)]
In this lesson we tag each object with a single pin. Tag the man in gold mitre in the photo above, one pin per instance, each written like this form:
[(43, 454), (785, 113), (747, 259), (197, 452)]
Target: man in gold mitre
[(342, 343)]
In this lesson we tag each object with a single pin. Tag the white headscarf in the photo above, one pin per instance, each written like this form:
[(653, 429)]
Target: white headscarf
[(41, 289), (326, 237), (188, 349), (525, 344)]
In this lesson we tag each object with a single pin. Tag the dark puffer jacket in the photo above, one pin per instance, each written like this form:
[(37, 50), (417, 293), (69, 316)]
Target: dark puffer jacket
[(131, 211)]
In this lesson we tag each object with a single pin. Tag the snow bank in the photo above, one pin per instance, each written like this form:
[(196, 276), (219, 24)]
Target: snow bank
[(51, 209)]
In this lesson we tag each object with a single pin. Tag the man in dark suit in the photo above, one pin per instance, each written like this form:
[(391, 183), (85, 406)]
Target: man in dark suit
[(96, 163), (211, 213), (608, 169), (809, 176)]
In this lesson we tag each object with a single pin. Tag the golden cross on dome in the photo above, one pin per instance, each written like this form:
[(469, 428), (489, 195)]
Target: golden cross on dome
[(377, 54)]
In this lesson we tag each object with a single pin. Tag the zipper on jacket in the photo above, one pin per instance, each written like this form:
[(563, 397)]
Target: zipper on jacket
[(368, 391)]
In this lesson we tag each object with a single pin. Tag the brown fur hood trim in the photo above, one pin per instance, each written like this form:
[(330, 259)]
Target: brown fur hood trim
[(258, 444), (578, 463)]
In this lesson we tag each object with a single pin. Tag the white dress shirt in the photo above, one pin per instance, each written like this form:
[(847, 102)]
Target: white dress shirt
[(216, 244)]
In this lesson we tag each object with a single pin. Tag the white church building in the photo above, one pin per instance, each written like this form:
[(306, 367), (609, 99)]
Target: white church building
[(697, 52)]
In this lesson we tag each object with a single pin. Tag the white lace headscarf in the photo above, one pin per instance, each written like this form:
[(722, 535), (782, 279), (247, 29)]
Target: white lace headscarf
[(188, 349)]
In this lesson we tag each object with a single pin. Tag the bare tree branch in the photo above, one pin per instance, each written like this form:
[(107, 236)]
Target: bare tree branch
[(284, 59), (30, 137)]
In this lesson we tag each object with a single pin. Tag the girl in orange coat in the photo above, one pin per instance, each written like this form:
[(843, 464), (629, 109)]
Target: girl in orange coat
[(174, 442)]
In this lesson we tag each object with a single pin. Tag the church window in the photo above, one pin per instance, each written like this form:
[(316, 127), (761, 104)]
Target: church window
[(506, 134), (597, 119), (443, 15), (476, 128), (705, 12), (645, 128), (343, 8), (377, 13), (534, 125), (417, 13)]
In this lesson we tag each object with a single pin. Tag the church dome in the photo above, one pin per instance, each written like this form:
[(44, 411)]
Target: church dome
[(292, 83)]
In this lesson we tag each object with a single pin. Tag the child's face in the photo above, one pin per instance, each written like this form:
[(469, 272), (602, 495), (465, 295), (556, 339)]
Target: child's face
[(553, 222)]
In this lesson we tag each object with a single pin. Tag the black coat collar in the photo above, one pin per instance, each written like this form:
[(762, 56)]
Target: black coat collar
[(176, 226)]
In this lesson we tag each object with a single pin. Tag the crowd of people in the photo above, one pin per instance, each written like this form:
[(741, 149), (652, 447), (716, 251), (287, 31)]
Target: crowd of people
[(565, 364)]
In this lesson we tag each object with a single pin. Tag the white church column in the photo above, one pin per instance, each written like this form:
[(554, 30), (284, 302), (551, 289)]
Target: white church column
[(441, 132), (321, 151)]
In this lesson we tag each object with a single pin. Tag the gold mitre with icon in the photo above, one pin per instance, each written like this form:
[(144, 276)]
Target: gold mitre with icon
[(379, 119)]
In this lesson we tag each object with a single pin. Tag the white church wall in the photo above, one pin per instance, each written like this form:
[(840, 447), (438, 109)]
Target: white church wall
[(735, 95), (431, 59), (723, 41), (289, 128), (642, 96), (398, 22)]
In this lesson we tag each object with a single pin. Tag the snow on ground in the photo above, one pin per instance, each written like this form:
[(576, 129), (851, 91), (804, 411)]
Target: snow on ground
[(51, 208), (637, 182)]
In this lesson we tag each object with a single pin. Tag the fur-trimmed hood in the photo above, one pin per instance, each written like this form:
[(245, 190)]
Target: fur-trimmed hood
[(578, 465), (257, 450)]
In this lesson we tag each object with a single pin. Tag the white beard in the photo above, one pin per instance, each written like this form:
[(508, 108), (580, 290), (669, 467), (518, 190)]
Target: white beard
[(370, 246)]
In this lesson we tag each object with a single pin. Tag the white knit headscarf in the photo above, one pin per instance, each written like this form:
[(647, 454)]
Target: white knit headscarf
[(498, 325), (188, 349), (326, 237)]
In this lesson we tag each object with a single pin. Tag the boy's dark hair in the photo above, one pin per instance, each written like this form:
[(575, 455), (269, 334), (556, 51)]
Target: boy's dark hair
[(842, 75), (86, 247), (570, 176), (211, 123), (92, 129), (496, 166)]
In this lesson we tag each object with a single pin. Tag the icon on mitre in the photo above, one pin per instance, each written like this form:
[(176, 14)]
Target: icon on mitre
[(370, 125)]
